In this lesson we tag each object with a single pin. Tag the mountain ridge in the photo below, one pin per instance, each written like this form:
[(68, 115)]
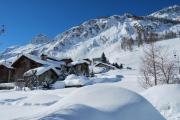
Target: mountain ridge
[(107, 34)]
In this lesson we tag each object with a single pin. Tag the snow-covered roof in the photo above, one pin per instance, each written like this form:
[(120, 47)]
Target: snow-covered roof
[(55, 63), (78, 62), (41, 70), (31, 57), (6, 64), (106, 64), (39, 60)]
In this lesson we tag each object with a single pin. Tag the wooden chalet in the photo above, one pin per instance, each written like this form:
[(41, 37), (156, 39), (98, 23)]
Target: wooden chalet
[(46, 74), (25, 63)]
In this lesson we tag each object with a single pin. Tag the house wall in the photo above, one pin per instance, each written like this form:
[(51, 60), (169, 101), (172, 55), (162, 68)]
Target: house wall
[(22, 65), (6, 74), (80, 69), (48, 75)]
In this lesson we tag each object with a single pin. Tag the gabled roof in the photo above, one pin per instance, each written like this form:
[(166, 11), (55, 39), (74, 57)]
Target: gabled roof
[(38, 60), (40, 70), (31, 57)]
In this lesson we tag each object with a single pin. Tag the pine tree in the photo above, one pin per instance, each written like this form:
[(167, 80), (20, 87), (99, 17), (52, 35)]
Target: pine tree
[(103, 58)]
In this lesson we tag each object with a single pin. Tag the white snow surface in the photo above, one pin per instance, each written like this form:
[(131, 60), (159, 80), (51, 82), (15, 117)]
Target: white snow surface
[(73, 80), (166, 99), (100, 102)]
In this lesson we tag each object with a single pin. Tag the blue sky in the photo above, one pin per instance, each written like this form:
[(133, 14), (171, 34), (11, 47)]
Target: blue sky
[(24, 19)]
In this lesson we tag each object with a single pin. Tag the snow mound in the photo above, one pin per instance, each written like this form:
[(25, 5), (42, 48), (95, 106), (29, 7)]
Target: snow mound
[(58, 85), (101, 102), (166, 99), (73, 80)]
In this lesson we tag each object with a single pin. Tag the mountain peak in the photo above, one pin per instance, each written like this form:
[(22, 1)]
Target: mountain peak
[(40, 39), (174, 6), (171, 12)]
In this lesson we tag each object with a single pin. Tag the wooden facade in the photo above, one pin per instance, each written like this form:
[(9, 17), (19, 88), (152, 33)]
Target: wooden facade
[(79, 69), (7, 74), (49, 76), (22, 65)]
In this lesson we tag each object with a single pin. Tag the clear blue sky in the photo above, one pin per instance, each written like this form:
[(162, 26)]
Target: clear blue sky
[(26, 18)]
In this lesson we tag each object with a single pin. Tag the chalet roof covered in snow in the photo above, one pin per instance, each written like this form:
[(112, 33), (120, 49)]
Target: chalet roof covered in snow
[(40, 70), (38, 60), (7, 65), (31, 57), (78, 62)]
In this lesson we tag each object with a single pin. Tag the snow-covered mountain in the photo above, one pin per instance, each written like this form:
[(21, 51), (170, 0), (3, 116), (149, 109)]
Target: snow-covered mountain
[(172, 12), (107, 34)]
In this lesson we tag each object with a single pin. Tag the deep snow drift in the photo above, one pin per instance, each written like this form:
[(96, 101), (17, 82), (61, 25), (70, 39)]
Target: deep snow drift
[(100, 102), (166, 98)]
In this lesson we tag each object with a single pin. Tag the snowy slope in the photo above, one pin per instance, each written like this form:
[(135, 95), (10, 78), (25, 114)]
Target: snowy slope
[(95, 36)]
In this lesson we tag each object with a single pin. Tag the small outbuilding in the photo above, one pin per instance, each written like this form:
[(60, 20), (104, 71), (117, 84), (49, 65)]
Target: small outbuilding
[(80, 67), (43, 74)]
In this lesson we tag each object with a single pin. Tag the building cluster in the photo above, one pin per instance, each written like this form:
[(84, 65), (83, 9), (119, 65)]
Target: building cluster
[(27, 68)]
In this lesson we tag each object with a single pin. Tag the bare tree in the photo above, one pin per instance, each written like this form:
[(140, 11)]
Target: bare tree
[(149, 68), (156, 66), (167, 67)]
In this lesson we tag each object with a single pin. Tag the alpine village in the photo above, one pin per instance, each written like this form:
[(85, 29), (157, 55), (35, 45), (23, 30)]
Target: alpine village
[(40, 72)]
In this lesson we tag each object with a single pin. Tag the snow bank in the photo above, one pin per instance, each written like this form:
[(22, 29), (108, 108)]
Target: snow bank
[(73, 80), (58, 85), (101, 102), (166, 98)]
